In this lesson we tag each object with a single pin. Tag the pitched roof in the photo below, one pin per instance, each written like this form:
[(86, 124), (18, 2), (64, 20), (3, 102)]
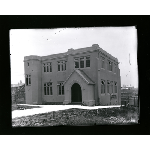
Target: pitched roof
[(83, 75)]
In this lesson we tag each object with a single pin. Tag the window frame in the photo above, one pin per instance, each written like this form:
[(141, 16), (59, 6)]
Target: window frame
[(28, 64), (110, 65), (61, 65), (87, 58), (108, 86), (111, 87), (103, 87), (28, 79), (84, 64), (60, 88), (115, 87), (102, 62), (47, 67), (48, 88), (115, 68)]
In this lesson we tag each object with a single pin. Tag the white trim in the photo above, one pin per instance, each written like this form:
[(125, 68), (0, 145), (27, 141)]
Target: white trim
[(82, 76)]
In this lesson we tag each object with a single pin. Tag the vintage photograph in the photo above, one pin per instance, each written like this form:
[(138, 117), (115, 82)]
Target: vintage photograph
[(74, 76)]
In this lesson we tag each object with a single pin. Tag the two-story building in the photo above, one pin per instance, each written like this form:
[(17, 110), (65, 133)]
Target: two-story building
[(86, 75)]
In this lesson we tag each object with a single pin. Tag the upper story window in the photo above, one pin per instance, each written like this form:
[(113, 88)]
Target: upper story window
[(82, 62), (115, 87), (61, 65), (47, 67), (109, 65), (28, 79), (102, 86), (87, 61), (60, 88), (48, 88), (103, 62), (115, 68), (28, 64)]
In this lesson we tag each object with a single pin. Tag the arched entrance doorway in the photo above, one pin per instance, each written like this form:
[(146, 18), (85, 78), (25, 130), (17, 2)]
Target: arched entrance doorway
[(76, 93)]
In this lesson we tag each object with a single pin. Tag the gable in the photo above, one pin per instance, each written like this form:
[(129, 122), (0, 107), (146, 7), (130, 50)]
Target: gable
[(82, 75)]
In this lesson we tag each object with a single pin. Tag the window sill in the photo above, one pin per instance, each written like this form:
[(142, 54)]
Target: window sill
[(110, 94), (47, 72), (103, 68), (83, 68), (60, 95), (48, 95), (62, 71)]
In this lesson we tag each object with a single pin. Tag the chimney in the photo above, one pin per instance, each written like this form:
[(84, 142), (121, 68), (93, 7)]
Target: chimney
[(95, 46), (70, 50)]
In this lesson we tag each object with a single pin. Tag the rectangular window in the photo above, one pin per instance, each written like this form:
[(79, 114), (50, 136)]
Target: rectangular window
[(102, 86), (44, 67), (28, 80), (28, 63), (51, 68), (82, 62), (58, 66), (111, 86), (76, 61), (109, 65), (115, 69), (48, 88), (45, 89), (108, 86), (102, 62), (51, 91), (87, 61), (115, 87), (60, 88), (65, 66), (47, 67), (61, 65)]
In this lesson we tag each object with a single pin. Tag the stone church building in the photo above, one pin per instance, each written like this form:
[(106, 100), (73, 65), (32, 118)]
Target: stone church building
[(87, 75)]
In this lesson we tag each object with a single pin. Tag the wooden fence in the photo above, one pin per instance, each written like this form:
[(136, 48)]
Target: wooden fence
[(132, 101)]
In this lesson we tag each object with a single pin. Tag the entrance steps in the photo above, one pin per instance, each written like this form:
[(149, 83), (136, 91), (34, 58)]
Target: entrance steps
[(75, 103)]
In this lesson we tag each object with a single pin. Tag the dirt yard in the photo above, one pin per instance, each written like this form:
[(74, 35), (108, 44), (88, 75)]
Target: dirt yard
[(79, 117)]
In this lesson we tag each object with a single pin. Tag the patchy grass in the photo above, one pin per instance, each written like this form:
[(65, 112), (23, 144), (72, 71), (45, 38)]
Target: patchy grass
[(79, 117), (18, 107)]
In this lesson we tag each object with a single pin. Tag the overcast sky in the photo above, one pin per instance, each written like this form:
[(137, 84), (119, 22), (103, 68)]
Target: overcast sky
[(121, 42)]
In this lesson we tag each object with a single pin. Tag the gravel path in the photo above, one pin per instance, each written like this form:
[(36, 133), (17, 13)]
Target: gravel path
[(49, 108)]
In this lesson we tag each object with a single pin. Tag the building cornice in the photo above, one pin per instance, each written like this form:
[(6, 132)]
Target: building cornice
[(108, 56), (72, 52)]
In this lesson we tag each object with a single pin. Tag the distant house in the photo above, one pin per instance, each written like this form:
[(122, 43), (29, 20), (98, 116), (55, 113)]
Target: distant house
[(129, 95), (18, 92), (87, 75)]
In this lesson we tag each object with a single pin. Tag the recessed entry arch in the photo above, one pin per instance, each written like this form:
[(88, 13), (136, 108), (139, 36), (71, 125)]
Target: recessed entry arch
[(76, 93)]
